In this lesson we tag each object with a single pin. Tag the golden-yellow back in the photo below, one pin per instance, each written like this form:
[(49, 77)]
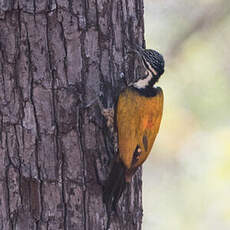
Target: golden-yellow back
[(138, 122)]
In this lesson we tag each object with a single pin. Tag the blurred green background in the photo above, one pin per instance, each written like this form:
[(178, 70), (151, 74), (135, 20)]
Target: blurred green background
[(187, 176)]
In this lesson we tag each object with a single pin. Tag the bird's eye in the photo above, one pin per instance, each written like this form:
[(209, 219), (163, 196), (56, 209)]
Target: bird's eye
[(146, 74)]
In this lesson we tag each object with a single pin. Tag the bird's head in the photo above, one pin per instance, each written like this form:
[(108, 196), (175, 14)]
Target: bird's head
[(152, 61)]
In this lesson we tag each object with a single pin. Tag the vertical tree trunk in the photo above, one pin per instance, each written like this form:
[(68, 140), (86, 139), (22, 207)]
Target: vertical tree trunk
[(56, 57)]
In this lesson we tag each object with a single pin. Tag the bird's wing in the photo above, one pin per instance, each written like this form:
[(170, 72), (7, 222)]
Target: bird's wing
[(138, 121)]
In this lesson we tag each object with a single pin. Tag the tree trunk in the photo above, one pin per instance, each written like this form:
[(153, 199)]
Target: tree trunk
[(56, 57)]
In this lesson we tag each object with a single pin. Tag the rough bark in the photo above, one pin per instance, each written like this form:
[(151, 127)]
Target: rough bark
[(56, 57)]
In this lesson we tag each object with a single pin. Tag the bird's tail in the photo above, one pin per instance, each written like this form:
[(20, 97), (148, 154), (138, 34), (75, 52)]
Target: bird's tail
[(114, 185)]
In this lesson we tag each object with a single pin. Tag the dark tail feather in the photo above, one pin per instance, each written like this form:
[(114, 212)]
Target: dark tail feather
[(114, 186)]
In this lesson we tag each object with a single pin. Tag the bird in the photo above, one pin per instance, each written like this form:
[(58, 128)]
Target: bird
[(138, 114)]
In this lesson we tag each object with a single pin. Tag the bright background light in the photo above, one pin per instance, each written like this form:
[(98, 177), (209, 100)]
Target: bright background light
[(187, 177)]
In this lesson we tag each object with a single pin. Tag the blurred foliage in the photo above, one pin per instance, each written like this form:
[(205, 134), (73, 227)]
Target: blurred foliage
[(187, 177)]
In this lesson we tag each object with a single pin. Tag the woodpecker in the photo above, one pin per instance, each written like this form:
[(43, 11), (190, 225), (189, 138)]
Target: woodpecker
[(138, 116)]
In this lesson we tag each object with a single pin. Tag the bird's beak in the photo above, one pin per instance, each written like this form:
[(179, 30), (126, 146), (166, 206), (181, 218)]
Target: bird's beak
[(132, 51), (136, 49)]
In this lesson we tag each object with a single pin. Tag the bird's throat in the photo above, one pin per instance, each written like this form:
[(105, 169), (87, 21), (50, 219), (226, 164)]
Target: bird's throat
[(147, 82), (143, 83)]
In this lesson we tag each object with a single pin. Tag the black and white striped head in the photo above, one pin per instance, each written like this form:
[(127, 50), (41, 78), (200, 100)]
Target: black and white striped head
[(152, 61)]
